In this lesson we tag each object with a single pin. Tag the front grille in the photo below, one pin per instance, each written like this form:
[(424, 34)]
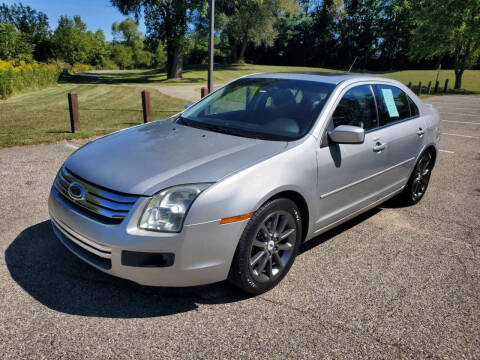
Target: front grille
[(97, 200)]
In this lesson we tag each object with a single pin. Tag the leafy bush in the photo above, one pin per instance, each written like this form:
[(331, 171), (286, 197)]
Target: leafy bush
[(122, 55), (19, 76), (79, 68)]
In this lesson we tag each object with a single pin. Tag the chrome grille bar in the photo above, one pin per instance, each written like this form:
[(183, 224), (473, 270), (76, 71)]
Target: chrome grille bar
[(97, 200), (82, 241)]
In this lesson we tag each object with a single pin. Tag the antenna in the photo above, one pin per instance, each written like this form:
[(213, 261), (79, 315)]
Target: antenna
[(351, 66)]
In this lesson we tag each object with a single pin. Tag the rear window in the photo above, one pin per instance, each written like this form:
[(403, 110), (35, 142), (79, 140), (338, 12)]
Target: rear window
[(394, 103), (413, 108)]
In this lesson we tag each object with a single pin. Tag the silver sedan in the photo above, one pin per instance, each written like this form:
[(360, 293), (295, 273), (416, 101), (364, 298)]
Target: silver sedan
[(231, 187)]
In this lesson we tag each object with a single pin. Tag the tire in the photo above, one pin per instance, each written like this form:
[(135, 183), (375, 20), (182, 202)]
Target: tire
[(418, 182), (263, 257)]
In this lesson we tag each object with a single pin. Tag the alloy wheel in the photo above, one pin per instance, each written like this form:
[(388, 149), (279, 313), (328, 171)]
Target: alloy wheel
[(272, 246), (421, 176)]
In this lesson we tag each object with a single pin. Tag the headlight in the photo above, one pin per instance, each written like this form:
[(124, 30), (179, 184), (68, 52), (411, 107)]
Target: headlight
[(166, 210)]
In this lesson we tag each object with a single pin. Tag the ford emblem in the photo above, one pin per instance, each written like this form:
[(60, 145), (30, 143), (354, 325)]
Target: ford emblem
[(76, 191)]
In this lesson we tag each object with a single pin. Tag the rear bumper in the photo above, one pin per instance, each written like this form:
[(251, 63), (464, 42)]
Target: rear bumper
[(202, 253)]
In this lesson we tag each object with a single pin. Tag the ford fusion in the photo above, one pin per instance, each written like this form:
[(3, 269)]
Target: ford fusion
[(231, 187)]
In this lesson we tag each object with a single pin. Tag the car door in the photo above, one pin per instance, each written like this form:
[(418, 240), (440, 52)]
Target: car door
[(351, 176), (403, 130)]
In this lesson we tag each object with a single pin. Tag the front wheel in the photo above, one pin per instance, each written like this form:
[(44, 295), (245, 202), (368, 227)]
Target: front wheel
[(268, 247)]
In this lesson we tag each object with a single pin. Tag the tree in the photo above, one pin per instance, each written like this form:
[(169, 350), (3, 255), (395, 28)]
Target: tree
[(127, 33), (450, 27), (359, 31), (73, 43), (32, 24), (251, 21), (166, 22), (122, 55), (396, 25), (13, 45)]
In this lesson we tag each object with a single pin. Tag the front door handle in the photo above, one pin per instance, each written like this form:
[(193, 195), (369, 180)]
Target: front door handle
[(379, 146), (420, 132)]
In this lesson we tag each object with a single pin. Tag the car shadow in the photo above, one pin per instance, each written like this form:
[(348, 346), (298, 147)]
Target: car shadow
[(47, 271)]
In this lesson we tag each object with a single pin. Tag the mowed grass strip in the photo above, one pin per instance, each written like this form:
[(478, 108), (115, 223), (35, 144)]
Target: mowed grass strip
[(225, 73), (43, 116)]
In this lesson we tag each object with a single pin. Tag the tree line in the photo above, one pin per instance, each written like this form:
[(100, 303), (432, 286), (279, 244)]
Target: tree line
[(376, 34), (25, 35)]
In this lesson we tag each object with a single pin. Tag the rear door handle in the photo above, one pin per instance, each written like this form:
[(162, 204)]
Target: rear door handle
[(379, 146), (420, 132)]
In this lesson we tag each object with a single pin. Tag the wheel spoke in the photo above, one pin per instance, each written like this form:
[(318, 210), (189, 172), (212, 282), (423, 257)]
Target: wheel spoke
[(265, 231), (281, 225), (258, 243), (270, 266), (262, 265), (256, 258), (278, 260), (286, 234), (275, 222), (416, 186), (286, 246)]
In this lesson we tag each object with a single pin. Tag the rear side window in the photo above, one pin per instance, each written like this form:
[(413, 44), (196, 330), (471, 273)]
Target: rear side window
[(413, 108), (394, 103), (357, 108)]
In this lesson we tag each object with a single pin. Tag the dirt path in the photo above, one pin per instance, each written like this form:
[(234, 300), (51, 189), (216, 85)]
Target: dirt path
[(185, 92)]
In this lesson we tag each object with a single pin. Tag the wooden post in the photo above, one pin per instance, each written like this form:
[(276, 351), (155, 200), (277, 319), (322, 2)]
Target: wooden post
[(147, 111), (204, 91), (436, 86), (419, 91), (74, 116), (429, 87), (409, 85), (446, 86)]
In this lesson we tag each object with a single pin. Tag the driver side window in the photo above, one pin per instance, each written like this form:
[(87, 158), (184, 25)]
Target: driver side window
[(357, 107)]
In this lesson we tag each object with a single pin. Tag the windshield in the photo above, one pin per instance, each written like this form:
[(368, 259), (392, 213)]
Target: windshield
[(272, 109)]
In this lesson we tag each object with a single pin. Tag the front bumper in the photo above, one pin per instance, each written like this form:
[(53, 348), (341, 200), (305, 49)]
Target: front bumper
[(202, 252)]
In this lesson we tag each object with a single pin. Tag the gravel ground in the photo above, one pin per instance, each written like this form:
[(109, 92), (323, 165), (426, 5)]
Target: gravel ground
[(393, 283)]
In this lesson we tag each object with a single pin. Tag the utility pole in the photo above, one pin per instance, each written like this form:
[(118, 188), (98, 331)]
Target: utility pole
[(211, 45)]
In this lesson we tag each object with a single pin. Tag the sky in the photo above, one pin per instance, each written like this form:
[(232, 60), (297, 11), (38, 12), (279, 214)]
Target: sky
[(97, 14)]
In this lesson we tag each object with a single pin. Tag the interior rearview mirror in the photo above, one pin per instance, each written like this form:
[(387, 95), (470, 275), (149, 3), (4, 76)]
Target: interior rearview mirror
[(347, 134)]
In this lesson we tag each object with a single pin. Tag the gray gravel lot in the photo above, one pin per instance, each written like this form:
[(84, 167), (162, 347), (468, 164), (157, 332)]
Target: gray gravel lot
[(394, 283)]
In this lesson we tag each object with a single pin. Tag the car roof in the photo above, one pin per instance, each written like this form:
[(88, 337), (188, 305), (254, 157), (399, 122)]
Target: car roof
[(323, 77)]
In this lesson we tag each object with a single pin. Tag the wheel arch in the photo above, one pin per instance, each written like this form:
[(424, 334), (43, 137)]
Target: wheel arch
[(432, 150)]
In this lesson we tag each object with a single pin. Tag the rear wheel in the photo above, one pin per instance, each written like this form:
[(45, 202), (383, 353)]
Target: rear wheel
[(268, 247), (418, 182)]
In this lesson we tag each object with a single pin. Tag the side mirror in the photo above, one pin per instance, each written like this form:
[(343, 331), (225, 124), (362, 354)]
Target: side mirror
[(347, 134), (187, 106)]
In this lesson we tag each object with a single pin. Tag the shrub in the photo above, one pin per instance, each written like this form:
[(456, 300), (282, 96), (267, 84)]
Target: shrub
[(79, 68), (19, 76)]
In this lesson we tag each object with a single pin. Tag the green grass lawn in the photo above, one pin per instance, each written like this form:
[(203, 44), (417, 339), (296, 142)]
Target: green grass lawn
[(225, 73), (43, 116)]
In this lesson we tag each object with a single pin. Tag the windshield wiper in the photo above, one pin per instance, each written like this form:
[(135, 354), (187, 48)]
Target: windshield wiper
[(218, 129), (224, 131)]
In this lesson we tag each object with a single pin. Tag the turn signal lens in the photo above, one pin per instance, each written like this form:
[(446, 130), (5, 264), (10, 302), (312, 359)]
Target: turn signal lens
[(232, 219)]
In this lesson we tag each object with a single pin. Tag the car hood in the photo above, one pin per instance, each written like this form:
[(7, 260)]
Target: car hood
[(146, 159)]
